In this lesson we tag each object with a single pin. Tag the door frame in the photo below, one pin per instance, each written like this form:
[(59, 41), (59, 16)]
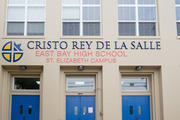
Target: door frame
[(141, 92), (24, 95), (25, 92), (155, 88), (89, 71), (7, 77)]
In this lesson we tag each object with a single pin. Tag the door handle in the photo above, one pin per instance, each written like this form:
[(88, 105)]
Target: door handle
[(30, 109), (76, 110), (21, 109), (139, 110), (131, 110), (84, 110), (78, 118)]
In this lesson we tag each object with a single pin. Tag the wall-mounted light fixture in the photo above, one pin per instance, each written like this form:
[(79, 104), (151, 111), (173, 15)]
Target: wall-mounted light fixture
[(138, 68), (23, 67), (80, 68)]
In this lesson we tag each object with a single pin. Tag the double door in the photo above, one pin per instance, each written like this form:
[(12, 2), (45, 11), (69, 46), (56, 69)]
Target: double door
[(80, 108), (25, 107), (136, 107)]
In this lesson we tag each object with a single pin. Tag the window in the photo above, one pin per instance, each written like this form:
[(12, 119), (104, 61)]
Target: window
[(81, 17), (178, 16), (25, 17), (26, 83), (137, 17), (80, 83), (134, 83)]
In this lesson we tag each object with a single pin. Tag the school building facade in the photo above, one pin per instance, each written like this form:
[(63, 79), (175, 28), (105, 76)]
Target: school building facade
[(89, 59)]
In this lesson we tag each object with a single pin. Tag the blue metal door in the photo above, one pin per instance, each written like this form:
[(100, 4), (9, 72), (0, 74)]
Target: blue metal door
[(136, 107), (80, 108), (25, 107)]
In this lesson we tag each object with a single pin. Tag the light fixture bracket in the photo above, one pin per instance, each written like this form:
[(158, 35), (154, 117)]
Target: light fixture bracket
[(23, 67), (80, 68), (138, 68)]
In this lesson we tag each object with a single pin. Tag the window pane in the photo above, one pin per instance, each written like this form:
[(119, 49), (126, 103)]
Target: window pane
[(16, 1), (26, 83), (70, 28), (126, 13), (147, 29), (134, 83), (91, 1), (177, 1), (91, 13), (16, 13), (146, 1), (91, 28), (71, 13), (36, 1), (35, 28), (177, 13), (71, 2), (126, 1), (127, 29), (80, 84), (178, 28), (147, 13), (14, 28), (36, 13)]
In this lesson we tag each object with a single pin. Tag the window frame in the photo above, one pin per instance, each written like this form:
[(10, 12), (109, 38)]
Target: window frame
[(177, 21), (13, 83), (155, 91), (80, 76), (138, 76), (137, 21), (26, 5), (81, 21)]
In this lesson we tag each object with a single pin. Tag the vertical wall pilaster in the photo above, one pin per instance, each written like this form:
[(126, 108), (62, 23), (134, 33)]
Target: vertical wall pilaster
[(4, 92), (50, 94), (111, 93), (109, 19), (2, 17), (170, 68), (171, 96), (53, 19), (1, 74)]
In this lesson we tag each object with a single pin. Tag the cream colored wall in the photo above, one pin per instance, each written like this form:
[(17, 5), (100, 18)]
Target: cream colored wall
[(111, 93), (51, 93), (5, 87), (168, 58), (170, 61), (1, 74)]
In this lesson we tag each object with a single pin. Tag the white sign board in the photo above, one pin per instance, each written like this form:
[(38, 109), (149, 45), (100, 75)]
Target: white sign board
[(90, 109), (79, 83)]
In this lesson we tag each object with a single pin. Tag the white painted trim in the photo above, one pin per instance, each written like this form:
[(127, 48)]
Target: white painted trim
[(80, 76), (137, 21), (81, 21), (177, 21), (25, 21)]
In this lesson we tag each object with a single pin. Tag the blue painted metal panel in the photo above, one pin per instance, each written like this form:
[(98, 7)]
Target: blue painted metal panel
[(130, 107), (88, 102), (25, 107), (80, 102), (71, 103)]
